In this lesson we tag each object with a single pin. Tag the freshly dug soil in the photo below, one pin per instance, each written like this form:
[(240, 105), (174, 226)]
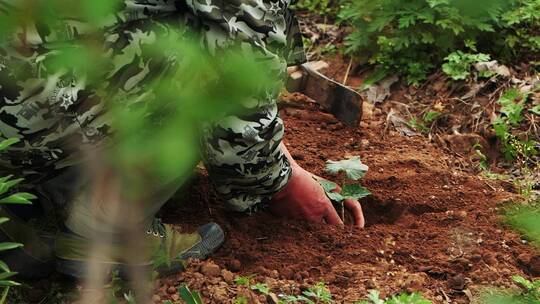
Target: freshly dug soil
[(430, 227)]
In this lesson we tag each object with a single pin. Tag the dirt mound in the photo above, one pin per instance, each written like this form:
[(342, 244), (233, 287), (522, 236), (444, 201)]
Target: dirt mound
[(431, 228)]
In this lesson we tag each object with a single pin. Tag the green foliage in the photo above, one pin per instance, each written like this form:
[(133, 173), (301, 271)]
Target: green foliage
[(413, 37), (319, 292), (529, 293), (414, 298), (525, 220), (261, 287), (243, 280), (315, 294), (353, 167), (512, 105), (423, 124), (7, 184), (190, 297), (458, 64)]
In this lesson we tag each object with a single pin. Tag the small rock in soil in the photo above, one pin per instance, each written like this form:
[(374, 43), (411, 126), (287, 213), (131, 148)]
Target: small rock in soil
[(475, 258), (210, 269), (415, 282), (490, 259), (457, 282), (156, 299), (534, 265), (234, 265)]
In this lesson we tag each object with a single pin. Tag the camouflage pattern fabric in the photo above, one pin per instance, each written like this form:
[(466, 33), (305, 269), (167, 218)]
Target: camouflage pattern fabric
[(49, 113)]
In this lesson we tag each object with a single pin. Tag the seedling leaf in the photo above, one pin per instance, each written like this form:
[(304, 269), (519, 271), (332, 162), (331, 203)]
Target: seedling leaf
[(354, 192), (329, 188), (353, 167), (261, 287)]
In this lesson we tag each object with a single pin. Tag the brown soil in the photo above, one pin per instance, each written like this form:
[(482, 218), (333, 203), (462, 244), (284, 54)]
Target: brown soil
[(430, 227)]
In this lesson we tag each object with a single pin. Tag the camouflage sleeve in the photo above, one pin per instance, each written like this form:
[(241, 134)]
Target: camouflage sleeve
[(242, 153)]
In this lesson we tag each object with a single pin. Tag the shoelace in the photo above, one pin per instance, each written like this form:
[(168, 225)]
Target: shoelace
[(157, 228)]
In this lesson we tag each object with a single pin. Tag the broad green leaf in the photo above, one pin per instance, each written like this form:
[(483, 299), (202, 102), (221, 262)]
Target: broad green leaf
[(3, 220), (353, 167), (327, 185), (330, 190), (354, 191), (8, 246)]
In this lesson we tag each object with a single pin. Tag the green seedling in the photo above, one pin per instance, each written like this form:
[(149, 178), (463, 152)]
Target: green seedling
[(512, 105), (375, 298), (261, 287), (458, 64), (244, 280), (319, 293), (354, 170)]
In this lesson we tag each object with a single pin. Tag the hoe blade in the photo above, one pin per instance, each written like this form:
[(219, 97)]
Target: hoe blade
[(341, 101)]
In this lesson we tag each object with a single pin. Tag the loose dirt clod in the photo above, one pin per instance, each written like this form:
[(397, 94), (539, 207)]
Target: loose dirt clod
[(210, 269)]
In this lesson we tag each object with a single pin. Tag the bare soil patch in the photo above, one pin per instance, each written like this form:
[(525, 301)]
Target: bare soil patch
[(431, 227)]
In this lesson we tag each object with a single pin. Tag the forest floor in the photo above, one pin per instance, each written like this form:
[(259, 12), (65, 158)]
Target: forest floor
[(432, 225)]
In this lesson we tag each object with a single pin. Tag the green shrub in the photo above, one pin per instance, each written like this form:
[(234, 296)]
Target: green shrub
[(7, 196), (413, 37), (458, 64)]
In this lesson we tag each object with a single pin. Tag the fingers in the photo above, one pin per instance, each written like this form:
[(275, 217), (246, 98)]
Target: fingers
[(356, 210), (331, 216)]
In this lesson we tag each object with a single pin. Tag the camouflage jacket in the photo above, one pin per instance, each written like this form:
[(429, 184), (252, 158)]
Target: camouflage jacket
[(241, 153)]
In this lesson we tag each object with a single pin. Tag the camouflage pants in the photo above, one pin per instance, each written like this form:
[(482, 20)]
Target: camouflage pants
[(50, 113)]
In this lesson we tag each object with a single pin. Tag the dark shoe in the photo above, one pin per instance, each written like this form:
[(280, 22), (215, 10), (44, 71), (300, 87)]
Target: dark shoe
[(167, 248)]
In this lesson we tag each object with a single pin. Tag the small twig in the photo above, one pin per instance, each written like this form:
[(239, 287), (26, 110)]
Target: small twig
[(347, 73), (490, 186), (445, 296)]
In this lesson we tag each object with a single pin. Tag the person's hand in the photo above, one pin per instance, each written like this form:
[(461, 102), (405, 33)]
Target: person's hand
[(304, 198)]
